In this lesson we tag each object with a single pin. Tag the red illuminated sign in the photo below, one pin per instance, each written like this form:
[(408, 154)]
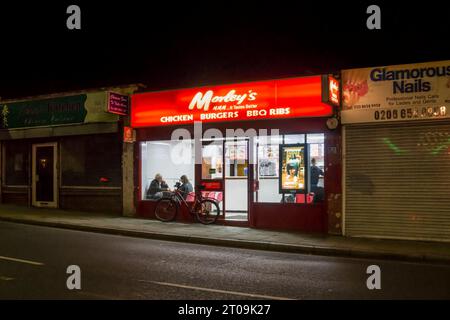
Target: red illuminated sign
[(274, 99), (128, 134), (333, 91), (212, 185)]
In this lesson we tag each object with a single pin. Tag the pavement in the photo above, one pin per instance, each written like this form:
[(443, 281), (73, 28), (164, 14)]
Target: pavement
[(229, 236)]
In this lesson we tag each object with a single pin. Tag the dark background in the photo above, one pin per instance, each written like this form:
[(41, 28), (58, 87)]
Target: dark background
[(174, 44)]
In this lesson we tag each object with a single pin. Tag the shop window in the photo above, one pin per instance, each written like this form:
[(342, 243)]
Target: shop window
[(170, 159), (267, 150), (16, 163), (91, 161)]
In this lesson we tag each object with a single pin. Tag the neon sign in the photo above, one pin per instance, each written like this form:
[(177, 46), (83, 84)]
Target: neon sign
[(274, 99)]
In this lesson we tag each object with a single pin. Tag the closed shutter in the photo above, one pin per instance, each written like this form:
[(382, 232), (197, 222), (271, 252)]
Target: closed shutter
[(397, 180)]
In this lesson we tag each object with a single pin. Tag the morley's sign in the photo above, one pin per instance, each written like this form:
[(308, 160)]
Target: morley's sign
[(395, 93), (275, 99)]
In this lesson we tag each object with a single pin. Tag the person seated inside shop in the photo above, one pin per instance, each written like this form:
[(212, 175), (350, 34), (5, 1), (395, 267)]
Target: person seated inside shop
[(185, 187), (316, 173), (156, 188)]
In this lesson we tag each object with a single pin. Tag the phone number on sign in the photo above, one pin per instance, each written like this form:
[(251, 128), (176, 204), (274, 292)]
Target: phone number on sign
[(410, 113)]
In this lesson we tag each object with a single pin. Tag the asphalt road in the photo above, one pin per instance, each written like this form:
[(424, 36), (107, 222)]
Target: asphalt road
[(33, 263)]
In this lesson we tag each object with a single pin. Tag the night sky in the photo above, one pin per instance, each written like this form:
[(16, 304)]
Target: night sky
[(184, 44)]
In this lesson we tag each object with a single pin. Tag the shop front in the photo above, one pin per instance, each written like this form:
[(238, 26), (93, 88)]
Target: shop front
[(396, 135), (249, 145), (64, 151)]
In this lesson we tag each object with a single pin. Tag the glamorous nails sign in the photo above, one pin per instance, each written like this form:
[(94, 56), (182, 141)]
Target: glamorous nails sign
[(274, 99), (396, 93)]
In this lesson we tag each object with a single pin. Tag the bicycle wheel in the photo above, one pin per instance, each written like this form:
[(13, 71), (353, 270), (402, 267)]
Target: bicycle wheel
[(208, 211), (166, 209)]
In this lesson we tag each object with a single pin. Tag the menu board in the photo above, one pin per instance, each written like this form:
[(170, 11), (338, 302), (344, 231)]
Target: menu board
[(293, 168)]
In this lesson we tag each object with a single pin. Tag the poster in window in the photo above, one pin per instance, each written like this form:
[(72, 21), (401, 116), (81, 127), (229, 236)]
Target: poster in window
[(234, 152), (293, 175), (268, 161)]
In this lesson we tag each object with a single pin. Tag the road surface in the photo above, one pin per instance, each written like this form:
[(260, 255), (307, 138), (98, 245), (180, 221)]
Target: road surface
[(34, 261)]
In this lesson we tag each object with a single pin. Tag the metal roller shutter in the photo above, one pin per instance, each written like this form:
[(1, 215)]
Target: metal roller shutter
[(397, 180)]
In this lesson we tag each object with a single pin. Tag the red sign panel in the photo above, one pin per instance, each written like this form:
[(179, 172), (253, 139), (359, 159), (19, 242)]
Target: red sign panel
[(333, 91), (274, 99), (118, 103), (128, 134), (212, 185)]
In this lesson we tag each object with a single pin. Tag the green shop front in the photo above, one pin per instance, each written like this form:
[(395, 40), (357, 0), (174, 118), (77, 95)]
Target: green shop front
[(64, 151)]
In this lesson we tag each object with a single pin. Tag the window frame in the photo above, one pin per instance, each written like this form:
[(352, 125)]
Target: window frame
[(27, 161)]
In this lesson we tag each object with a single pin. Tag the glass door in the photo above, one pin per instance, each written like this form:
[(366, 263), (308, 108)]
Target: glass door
[(225, 176), (212, 173), (44, 182), (236, 180)]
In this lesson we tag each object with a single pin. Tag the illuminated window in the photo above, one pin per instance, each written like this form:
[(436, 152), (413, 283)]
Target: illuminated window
[(267, 166), (170, 159)]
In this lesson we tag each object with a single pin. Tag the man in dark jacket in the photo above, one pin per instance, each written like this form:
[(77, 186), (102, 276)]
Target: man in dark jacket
[(157, 186), (316, 172)]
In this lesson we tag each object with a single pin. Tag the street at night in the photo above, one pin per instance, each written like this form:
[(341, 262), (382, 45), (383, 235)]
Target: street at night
[(189, 155), (116, 267)]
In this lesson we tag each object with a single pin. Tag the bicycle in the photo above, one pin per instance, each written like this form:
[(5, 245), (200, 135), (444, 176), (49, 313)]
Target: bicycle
[(206, 210)]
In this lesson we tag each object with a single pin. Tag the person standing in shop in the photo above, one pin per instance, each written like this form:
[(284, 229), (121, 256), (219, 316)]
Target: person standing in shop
[(316, 173)]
